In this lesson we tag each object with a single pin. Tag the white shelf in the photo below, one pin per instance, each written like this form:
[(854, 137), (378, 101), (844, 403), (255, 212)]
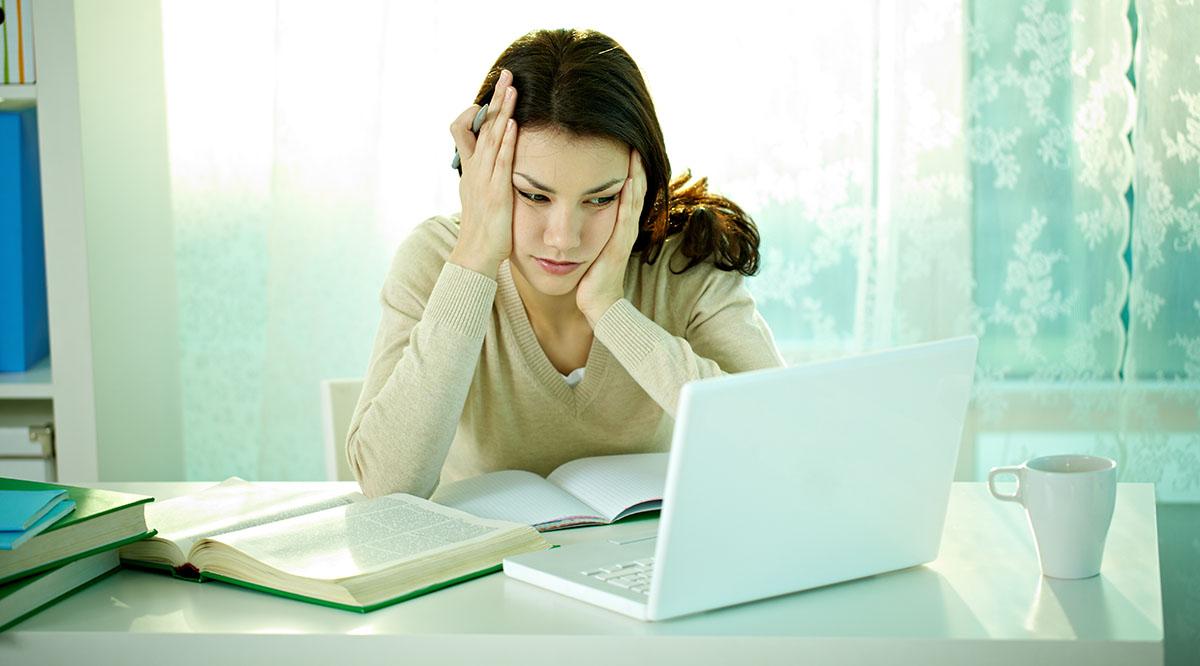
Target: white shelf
[(17, 96), (69, 388), (32, 385)]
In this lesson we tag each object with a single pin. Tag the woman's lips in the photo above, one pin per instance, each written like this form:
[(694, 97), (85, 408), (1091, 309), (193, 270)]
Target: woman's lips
[(555, 268)]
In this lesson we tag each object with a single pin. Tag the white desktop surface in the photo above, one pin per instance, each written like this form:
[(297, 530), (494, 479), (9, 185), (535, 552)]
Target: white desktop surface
[(982, 601)]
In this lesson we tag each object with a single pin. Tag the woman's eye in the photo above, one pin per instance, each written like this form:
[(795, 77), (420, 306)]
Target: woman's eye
[(539, 198)]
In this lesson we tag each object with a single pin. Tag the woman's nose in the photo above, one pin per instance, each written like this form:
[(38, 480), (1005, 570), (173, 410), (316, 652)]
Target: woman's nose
[(562, 231)]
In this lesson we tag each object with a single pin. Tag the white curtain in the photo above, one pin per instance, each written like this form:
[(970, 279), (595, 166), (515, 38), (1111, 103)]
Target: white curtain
[(918, 169)]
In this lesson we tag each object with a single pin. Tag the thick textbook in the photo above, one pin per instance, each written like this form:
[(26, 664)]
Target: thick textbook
[(587, 491), (26, 596), (360, 554), (102, 520)]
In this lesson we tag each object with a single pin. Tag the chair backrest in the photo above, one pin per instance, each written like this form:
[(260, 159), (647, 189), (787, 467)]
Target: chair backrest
[(339, 397)]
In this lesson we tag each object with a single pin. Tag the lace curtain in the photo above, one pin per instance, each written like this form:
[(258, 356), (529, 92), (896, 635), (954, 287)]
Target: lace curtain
[(918, 169)]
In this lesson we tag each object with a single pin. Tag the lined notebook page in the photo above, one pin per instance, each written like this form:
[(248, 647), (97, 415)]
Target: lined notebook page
[(610, 484), (516, 495)]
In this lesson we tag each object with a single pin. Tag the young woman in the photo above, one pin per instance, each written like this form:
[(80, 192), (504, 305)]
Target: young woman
[(561, 312)]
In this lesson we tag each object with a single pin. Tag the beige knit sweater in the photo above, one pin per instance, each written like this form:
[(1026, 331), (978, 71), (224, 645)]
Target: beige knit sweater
[(458, 384)]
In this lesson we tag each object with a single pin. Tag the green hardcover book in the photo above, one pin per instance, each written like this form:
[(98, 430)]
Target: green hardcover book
[(27, 596), (102, 520)]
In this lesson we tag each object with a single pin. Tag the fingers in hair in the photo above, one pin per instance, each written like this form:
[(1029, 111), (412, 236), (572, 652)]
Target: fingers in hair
[(502, 83), (504, 158)]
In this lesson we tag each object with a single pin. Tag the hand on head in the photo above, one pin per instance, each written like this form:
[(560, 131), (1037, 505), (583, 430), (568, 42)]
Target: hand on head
[(485, 189)]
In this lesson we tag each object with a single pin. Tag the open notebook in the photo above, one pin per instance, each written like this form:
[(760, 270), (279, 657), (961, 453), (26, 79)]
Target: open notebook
[(587, 491)]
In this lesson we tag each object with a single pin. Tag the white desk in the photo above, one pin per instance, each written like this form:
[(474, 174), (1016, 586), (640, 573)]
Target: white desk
[(982, 602)]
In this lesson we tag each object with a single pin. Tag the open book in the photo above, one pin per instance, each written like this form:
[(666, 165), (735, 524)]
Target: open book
[(358, 554), (587, 491), (226, 507)]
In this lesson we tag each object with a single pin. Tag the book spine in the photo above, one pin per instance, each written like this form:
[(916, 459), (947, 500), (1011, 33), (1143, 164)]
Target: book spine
[(37, 316), (11, 286), (5, 66), (25, 40)]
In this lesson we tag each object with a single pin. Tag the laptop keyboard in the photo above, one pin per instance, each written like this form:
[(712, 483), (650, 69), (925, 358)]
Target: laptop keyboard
[(633, 576)]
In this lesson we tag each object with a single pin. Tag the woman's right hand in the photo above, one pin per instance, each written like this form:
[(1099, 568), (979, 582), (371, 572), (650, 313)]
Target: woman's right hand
[(485, 189)]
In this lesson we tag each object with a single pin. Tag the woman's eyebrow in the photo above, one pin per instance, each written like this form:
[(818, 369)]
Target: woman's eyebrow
[(543, 188)]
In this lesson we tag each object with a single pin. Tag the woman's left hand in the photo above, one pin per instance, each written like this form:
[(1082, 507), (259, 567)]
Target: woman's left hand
[(604, 282)]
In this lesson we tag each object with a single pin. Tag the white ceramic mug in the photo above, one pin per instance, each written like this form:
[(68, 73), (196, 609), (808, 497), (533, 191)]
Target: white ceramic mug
[(1069, 501)]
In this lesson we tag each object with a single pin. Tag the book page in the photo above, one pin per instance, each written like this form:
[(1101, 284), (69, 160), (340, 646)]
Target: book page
[(356, 539), (235, 504), (612, 484), (517, 496)]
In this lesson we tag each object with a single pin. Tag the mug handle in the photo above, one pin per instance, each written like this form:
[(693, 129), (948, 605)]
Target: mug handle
[(997, 471)]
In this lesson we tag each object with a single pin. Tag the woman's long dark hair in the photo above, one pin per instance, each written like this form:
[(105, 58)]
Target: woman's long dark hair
[(584, 82)]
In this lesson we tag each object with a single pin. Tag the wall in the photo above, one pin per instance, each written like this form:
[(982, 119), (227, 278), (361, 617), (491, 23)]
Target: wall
[(129, 240)]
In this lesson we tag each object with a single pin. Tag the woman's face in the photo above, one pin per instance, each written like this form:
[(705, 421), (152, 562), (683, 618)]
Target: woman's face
[(565, 194)]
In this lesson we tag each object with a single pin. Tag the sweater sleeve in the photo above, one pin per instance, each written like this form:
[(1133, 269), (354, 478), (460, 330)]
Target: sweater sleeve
[(723, 333), (425, 354)]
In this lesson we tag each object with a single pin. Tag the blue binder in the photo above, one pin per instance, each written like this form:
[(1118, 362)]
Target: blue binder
[(24, 327)]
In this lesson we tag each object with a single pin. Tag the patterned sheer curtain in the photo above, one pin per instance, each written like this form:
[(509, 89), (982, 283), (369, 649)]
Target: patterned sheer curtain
[(919, 169), (1084, 214)]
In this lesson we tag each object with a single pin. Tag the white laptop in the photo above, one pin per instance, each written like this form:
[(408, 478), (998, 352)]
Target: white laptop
[(783, 480)]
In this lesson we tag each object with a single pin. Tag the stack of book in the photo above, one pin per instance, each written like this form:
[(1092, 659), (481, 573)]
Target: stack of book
[(55, 539)]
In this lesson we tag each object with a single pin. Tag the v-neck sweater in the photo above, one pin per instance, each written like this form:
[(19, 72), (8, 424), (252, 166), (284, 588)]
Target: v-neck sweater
[(458, 384)]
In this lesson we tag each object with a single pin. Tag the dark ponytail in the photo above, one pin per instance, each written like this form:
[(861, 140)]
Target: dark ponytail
[(710, 226), (584, 82)]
